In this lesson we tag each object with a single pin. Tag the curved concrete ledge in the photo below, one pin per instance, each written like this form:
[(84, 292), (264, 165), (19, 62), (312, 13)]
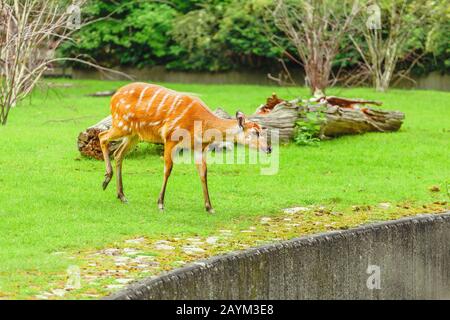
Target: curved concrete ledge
[(401, 259)]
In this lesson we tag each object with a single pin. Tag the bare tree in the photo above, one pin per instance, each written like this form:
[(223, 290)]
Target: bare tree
[(315, 28), (387, 27), (30, 33)]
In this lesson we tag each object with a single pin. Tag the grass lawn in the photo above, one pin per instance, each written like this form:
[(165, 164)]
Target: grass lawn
[(53, 213)]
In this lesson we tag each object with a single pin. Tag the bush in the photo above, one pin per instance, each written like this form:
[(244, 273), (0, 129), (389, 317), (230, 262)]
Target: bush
[(244, 33), (308, 128), (197, 45), (212, 35), (135, 34)]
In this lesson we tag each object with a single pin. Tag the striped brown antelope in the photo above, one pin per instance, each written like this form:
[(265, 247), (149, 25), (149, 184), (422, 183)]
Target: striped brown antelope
[(156, 114)]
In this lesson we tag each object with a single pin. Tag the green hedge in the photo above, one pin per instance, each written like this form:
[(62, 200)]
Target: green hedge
[(213, 35)]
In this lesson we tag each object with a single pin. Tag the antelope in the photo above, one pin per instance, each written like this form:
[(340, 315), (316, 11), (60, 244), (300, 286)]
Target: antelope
[(152, 113)]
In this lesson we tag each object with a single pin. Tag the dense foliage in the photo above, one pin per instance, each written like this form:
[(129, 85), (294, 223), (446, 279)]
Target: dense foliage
[(211, 35)]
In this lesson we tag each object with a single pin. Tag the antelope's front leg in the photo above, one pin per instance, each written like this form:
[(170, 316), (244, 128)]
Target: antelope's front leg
[(168, 164), (126, 146), (203, 172)]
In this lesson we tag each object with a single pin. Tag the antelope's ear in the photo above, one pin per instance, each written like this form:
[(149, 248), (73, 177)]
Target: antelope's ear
[(240, 117)]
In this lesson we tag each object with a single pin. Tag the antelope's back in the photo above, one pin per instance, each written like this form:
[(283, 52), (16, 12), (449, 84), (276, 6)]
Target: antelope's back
[(150, 111)]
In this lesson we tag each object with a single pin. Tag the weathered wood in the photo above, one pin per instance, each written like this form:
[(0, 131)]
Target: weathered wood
[(222, 114), (353, 120), (88, 142), (341, 121), (283, 118)]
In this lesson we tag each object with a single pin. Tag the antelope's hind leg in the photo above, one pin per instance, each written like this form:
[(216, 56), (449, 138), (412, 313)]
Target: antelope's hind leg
[(127, 144), (105, 137)]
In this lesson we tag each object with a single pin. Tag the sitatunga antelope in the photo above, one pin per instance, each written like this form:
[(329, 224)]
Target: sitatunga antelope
[(152, 113)]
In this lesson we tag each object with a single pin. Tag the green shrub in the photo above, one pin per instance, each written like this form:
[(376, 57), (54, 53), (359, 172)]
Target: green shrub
[(215, 35), (308, 128), (136, 34), (197, 46)]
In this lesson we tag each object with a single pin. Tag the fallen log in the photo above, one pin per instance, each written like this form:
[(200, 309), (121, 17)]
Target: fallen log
[(344, 116), (282, 118), (341, 121), (89, 144)]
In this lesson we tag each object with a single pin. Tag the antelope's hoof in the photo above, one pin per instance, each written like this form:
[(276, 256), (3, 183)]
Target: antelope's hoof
[(106, 181), (210, 210), (161, 207), (122, 198)]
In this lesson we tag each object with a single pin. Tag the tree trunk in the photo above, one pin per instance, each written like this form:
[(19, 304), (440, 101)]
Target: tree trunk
[(317, 79)]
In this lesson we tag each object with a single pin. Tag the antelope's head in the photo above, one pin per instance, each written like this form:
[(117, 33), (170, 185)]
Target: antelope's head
[(252, 134)]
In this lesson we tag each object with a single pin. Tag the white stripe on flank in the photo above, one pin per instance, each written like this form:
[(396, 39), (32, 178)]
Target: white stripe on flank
[(142, 96), (176, 103), (154, 123), (163, 101), (174, 122), (153, 99)]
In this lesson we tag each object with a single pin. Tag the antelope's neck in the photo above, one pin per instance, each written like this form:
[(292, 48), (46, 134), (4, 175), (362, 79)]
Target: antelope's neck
[(226, 126)]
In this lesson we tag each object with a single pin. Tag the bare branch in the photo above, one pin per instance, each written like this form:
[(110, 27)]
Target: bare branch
[(316, 30), (387, 42), (30, 33)]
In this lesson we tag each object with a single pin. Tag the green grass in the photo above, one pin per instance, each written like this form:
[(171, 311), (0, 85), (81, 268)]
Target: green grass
[(51, 198)]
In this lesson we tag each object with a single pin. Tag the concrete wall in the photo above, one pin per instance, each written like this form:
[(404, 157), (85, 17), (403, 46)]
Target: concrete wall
[(413, 255)]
